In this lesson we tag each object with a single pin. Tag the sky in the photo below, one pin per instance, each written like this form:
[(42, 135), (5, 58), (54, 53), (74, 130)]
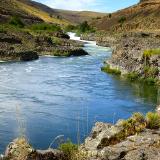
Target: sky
[(91, 5)]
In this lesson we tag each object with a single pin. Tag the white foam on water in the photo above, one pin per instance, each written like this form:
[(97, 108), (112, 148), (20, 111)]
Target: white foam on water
[(74, 37)]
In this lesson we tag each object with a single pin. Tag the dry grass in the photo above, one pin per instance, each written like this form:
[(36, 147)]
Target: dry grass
[(39, 13), (20, 149)]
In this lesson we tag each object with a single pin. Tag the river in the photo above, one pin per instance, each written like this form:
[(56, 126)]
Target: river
[(65, 96)]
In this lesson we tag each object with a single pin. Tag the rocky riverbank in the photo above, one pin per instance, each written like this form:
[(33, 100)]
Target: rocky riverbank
[(25, 46), (136, 138), (136, 55)]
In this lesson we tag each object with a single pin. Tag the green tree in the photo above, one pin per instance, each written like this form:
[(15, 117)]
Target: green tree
[(84, 27)]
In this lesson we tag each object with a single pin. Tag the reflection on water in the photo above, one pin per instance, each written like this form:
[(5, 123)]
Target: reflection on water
[(65, 96)]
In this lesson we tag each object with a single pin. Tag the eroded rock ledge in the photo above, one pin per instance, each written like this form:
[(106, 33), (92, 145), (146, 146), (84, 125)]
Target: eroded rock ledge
[(23, 46)]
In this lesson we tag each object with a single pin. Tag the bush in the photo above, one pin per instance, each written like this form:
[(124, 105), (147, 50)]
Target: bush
[(70, 28), (69, 149), (109, 70), (122, 19), (85, 28), (45, 27), (110, 15), (16, 21), (134, 124), (153, 120)]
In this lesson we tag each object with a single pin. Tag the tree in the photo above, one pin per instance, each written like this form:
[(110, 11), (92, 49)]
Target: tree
[(84, 27)]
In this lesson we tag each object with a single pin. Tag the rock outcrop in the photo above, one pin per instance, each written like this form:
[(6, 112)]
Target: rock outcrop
[(103, 145), (23, 46), (129, 54), (20, 149)]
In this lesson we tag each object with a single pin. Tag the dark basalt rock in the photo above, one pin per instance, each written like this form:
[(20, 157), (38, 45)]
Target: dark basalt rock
[(9, 39), (68, 52), (18, 56), (28, 56)]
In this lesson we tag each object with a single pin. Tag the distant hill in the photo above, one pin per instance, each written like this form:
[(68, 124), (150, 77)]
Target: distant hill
[(143, 16), (32, 12)]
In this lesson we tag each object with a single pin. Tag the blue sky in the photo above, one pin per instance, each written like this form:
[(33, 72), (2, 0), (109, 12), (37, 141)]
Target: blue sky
[(94, 5)]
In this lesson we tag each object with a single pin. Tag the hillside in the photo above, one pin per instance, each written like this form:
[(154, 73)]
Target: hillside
[(143, 16), (27, 12), (70, 16), (31, 11)]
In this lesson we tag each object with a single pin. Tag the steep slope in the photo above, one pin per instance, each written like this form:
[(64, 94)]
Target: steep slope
[(32, 11), (143, 16), (27, 12)]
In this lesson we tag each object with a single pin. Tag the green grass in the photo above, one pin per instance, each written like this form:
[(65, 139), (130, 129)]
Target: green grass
[(135, 124), (153, 120), (45, 27), (69, 149), (151, 71), (151, 52), (149, 76), (109, 70), (133, 76), (16, 21)]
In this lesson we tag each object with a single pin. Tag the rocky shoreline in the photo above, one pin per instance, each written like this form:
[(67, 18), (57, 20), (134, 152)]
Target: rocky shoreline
[(135, 54), (24, 46), (135, 138)]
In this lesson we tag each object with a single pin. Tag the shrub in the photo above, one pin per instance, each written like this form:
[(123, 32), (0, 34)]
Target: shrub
[(122, 19), (109, 70), (134, 124), (16, 21), (139, 117), (45, 27), (110, 15), (69, 149), (153, 120), (85, 28), (70, 28)]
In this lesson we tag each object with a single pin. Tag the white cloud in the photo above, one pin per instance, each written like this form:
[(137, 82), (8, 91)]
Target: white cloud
[(70, 4)]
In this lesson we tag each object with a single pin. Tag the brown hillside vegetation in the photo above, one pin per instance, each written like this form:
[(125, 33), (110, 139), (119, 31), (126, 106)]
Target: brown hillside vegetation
[(31, 11), (143, 16)]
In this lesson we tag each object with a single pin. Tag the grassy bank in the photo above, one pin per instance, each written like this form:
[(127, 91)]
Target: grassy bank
[(149, 75)]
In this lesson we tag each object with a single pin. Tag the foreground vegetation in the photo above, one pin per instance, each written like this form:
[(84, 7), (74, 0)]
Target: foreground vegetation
[(137, 123)]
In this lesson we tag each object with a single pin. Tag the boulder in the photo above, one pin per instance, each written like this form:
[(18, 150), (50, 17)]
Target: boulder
[(20, 149)]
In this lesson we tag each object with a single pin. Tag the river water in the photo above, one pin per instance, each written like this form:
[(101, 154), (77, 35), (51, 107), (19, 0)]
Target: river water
[(65, 96)]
